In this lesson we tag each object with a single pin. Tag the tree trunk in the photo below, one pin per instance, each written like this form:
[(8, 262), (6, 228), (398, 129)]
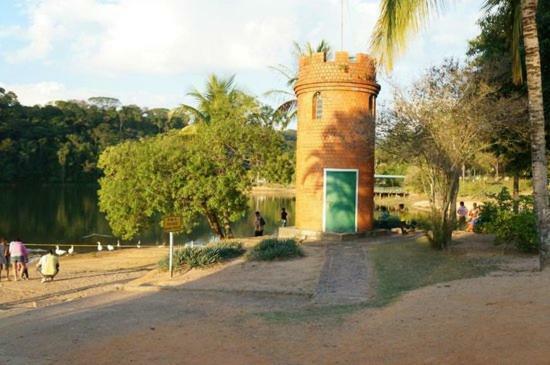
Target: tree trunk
[(536, 119), (215, 225), (515, 192)]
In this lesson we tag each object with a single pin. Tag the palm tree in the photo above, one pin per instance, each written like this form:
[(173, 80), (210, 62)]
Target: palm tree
[(290, 73), (221, 97), (399, 19)]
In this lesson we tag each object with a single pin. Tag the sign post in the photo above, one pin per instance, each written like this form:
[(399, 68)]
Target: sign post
[(171, 267), (171, 224)]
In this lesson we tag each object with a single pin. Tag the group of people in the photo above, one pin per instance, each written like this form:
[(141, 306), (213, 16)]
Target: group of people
[(468, 218), (259, 222), (15, 255)]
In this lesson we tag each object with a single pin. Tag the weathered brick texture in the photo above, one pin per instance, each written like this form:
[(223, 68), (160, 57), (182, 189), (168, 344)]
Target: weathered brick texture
[(343, 138)]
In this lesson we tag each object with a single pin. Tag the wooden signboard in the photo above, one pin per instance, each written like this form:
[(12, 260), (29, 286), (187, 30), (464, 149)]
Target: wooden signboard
[(172, 224)]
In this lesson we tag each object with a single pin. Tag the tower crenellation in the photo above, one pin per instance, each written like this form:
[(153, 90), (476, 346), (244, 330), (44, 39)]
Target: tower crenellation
[(317, 69)]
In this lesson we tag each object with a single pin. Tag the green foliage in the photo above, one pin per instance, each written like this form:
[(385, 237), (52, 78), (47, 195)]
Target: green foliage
[(229, 249), (274, 249), (515, 228), (199, 257), (61, 142), (204, 170)]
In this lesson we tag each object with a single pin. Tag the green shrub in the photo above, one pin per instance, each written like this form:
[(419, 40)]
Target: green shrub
[(271, 249), (499, 218), (202, 256), (229, 250)]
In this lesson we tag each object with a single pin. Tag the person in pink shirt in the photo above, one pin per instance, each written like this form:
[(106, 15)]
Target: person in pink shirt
[(18, 255)]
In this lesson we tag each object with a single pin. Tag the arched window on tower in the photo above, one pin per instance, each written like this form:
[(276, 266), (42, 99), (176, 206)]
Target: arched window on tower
[(317, 106)]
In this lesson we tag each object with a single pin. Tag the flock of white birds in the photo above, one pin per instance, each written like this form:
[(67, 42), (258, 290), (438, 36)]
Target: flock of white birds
[(100, 247)]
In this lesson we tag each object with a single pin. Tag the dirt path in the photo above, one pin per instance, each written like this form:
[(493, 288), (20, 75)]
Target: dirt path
[(497, 319), (344, 278)]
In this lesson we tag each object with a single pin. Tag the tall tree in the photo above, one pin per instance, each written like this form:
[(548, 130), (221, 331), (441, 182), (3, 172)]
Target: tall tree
[(399, 19), (438, 125)]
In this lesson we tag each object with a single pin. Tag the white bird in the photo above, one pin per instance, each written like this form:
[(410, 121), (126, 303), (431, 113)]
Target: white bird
[(71, 250), (110, 247), (139, 244), (99, 246), (118, 243), (59, 252)]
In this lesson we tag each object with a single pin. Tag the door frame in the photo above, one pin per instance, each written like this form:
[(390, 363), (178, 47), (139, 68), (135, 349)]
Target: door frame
[(325, 170)]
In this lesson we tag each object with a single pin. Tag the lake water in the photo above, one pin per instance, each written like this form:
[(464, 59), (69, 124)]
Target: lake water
[(69, 214)]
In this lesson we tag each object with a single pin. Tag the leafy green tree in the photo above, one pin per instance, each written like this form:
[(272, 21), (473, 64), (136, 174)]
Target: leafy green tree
[(205, 174)]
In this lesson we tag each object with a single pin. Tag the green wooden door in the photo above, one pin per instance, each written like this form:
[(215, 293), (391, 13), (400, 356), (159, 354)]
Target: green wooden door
[(340, 201)]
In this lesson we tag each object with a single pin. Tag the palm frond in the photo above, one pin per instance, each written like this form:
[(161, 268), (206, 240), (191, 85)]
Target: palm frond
[(195, 113), (279, 92), (287, 107), (398, 21)]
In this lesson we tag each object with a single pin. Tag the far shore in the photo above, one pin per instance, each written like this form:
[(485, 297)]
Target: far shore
[(279, 191)]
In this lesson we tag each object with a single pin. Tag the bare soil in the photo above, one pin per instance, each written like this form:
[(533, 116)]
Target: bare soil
[(501, 318), (79, 276)]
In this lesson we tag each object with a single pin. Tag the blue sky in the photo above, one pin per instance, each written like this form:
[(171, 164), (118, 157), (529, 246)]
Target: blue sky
[(152, 52)]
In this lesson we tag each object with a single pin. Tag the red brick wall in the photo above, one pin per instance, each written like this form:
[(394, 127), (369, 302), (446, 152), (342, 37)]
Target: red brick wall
[(343, 138)]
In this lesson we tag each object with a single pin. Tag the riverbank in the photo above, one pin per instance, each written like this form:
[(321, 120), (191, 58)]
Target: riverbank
[(81, 275), (278, 191)]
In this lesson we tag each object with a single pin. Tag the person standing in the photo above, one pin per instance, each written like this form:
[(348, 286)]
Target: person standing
[(17, 257), (4, 258), (284, 217), (48, 266), (259, 224), (462, 212), (25, 271)]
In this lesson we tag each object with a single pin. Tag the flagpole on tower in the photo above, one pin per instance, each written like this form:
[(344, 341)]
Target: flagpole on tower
[(341, 25)]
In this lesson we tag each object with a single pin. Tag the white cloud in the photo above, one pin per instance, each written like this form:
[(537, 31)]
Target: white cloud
[(40, 92), (174, 36), (43, 92), (108, 41)]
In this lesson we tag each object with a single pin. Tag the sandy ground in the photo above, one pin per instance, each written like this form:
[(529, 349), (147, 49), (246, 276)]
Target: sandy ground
[(80, 275), (298, 276), (503, 318)]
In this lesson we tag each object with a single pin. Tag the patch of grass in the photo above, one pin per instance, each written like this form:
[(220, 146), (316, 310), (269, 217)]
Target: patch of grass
[(398, 267), (480, 188), (274, 249), (210, 254), (409, 265)]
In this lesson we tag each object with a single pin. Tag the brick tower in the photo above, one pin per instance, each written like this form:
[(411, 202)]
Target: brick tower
[(335, 146)]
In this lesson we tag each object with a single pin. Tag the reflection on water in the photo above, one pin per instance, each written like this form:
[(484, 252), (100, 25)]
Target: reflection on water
[(67, 214)]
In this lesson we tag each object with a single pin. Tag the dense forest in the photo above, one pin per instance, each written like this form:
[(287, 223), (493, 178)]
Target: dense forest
[(61, 141)]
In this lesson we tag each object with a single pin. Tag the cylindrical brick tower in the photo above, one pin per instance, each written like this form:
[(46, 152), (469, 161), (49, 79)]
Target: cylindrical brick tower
[(335, 143)]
